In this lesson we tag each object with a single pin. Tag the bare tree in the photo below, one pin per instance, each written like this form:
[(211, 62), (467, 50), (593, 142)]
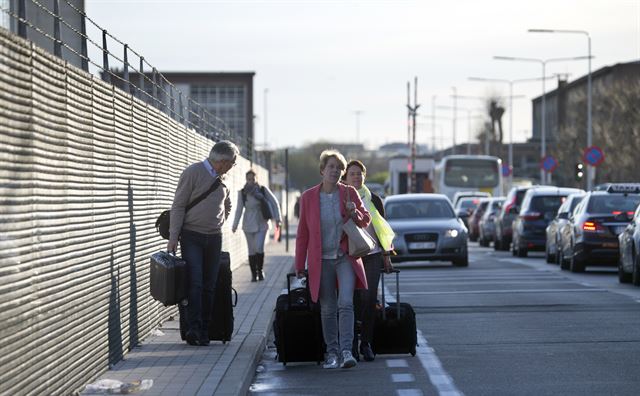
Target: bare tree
[(616, 130)]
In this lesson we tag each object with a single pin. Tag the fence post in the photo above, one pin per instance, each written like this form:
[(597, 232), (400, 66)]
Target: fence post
[(155, 87), (125, 71), (83, 47), (105, 58), (22, 16), (181, 108), (141, 80), (57, 43)]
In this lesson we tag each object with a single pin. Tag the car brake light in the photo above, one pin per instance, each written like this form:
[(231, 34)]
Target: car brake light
[(616, 212), (592, 226), (531, 215)]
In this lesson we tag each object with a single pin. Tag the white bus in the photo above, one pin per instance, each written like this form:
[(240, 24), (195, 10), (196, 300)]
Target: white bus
[(456, 173)]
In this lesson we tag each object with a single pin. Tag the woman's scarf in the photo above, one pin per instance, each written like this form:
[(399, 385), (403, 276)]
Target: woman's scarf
[(383, 230)]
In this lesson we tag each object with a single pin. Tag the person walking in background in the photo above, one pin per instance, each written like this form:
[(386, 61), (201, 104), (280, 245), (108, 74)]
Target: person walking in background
[(259, 205), (199, 232), (381, 231), (333, 275)]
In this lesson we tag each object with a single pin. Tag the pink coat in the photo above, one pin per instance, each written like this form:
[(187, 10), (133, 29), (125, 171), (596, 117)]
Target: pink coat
[(309, 237)]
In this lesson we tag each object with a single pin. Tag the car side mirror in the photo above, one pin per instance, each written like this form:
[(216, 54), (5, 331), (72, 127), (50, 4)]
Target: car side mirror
[(513, 210), (563, 215), (463, 214)]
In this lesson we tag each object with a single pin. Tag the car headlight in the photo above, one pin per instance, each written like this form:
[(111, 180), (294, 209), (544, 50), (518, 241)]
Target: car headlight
[(451, 233)]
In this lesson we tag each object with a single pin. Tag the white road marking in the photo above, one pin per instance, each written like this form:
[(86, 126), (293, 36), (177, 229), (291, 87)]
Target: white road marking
[(391, 363), (507, 291), (409, 392), (430, 362), (402, 377)]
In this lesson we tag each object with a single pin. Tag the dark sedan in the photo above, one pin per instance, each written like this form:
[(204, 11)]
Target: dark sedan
[(592, 235), (553, 229), (629, 263), (539, 206), (426, 228)]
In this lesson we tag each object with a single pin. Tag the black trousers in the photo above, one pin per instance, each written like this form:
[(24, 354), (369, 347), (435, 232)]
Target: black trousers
[(366, 299)]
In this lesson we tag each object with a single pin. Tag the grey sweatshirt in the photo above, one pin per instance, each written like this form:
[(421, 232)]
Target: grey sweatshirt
[(208, 216)]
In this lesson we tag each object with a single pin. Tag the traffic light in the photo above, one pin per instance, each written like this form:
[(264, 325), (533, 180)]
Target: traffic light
[(579, 171)]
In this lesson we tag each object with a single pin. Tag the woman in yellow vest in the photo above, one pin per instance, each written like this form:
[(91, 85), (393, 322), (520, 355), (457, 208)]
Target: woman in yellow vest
[(377, 260)]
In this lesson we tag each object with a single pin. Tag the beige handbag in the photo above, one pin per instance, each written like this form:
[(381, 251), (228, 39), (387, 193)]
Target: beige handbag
[(360, 242)]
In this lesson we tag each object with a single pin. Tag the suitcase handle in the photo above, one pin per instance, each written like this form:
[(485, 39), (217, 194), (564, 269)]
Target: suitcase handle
[(235, 300), (306, 283), (384, 315)]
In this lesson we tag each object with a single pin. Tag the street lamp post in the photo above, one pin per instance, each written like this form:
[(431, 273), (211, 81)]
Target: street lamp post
[(511, 83), (469, 117), (590, 169), (543, 62)]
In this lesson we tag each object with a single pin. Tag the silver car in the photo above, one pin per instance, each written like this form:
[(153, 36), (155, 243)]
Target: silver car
[(426, 228)]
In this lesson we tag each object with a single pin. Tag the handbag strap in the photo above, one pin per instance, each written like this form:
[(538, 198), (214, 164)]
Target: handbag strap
[(205, 194)]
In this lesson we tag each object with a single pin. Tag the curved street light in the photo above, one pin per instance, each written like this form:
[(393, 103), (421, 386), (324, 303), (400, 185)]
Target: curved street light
[(590, 169), (543, 62)]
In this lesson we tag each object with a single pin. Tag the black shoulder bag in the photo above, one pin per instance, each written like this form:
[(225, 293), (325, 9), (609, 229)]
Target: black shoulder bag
[(162, 223)]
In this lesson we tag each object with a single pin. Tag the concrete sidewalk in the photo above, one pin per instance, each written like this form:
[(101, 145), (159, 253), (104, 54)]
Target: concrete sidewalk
[(221, 369)]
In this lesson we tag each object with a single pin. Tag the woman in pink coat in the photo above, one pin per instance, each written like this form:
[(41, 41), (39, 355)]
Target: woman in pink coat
[(333, 275)]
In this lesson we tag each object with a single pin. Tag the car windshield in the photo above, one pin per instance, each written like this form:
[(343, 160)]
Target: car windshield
[(471, 173), (468, 203), (546, 204), (611, 203), (432, 208)]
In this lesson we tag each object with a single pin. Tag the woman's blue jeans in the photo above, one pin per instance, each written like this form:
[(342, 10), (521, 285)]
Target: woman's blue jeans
[(202, 254)]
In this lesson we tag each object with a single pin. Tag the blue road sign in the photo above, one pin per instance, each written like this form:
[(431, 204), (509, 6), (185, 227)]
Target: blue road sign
[(506, 170), (593, 155), (549, 163)]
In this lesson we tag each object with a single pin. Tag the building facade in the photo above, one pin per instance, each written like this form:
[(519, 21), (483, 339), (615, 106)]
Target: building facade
[(41, 29), (615, 99)]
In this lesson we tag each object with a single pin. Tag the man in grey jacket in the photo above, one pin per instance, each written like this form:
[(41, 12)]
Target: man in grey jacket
[(200, 235)]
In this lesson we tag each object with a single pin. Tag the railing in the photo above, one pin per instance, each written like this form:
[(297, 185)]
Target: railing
[(151, 86)]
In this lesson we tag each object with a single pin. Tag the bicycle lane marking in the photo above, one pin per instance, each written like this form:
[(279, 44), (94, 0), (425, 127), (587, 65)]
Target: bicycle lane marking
[(438, 376)]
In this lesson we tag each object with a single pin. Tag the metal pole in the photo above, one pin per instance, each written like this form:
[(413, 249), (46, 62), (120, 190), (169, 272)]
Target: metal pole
[(468, 132), (154, 87), (105, 58), (125, 72), (510, 134), (455, 97), (409, 144), (433, 123), (266, 91), (141, 79), (414, 181), (57, 43), (591, 171), (22, 16), (286, 197), (543, 137), (83, 47)]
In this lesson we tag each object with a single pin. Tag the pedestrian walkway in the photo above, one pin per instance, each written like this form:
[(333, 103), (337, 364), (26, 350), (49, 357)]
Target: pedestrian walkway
[(221, 369)]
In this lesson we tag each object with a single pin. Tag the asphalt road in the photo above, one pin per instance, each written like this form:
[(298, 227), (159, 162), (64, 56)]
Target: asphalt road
[(502, 326)]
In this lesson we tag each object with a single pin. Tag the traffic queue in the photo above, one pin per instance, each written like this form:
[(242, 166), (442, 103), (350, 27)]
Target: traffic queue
[(575, 229)]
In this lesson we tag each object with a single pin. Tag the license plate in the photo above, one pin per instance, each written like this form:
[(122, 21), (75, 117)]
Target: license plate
[(422, 245)]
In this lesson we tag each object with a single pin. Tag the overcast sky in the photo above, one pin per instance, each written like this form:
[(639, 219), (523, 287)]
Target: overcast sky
[(323, 60)]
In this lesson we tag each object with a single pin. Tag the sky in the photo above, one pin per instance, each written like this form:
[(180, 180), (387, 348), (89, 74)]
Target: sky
[(326, 67)]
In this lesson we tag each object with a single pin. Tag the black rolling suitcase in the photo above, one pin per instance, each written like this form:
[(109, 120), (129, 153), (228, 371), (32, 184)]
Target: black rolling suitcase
[(394, 329), (297, 327), (168, 275), (226, 297)]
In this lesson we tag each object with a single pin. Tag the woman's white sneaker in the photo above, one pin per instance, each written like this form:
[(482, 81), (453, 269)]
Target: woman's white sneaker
[(348, 360), (331, 362)]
